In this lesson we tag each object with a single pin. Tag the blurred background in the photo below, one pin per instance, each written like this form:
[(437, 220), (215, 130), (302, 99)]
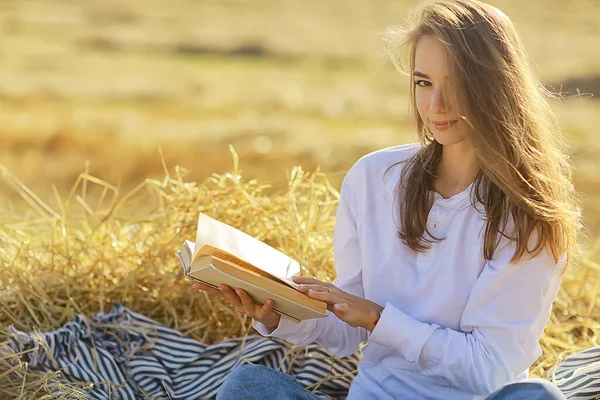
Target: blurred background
[(288, 82)]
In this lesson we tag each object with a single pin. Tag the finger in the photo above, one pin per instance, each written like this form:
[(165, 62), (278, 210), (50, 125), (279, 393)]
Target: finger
[(319, 288), (341, 307), (206, 288), (200, 285), (327, 297), (265, 309), (306, 279), (231, 296), (247, 302)]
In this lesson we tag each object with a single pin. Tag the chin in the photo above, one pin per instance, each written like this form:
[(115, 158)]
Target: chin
[(448, 137), (447, 140)]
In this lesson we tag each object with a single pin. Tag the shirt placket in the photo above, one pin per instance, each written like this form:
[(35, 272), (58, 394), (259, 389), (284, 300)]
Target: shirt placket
[(436, 223)]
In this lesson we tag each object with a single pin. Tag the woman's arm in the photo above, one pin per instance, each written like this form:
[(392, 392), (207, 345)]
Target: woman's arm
[(500, 328), (330, 332)]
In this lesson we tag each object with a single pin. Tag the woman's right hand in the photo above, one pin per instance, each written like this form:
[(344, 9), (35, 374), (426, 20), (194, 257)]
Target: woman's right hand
[(243, 303)]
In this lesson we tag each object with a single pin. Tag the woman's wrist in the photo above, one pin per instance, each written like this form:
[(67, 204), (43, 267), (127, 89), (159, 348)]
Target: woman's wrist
[(273, 323), (372, 317)]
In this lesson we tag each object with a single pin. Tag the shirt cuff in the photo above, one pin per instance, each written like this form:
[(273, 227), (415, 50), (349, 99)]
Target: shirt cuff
[(287, 329), (263, 329), (399, 331)]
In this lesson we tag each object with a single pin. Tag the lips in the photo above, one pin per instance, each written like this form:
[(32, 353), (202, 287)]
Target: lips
[(441, 125)]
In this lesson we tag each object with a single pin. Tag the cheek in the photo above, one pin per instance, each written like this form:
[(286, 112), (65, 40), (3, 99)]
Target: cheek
[(422, 103)]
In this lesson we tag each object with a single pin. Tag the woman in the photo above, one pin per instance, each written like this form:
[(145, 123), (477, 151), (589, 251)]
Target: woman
[(449, 253)]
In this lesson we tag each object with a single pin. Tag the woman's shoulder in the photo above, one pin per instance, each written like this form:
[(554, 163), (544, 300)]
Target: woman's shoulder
[(373, 165)]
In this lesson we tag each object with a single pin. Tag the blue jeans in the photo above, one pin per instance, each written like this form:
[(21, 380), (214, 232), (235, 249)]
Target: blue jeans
[(258, 382)]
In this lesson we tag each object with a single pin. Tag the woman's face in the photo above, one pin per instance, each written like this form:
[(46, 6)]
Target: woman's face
[(433, 94)]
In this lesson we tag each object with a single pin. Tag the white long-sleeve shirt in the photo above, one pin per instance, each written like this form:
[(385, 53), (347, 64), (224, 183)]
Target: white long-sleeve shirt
[(454, 325)]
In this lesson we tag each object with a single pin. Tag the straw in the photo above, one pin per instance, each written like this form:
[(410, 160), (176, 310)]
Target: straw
[(91, 250)]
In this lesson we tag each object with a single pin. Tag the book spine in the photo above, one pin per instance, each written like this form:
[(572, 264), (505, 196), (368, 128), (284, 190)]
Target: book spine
[(186, 269)]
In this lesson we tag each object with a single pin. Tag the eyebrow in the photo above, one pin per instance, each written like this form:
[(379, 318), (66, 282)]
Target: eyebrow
[(420, 74)]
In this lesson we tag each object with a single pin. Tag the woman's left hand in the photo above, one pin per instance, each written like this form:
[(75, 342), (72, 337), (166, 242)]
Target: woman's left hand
[(353, 310)]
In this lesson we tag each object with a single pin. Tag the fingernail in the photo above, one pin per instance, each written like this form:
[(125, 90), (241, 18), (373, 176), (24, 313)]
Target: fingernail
[(301, 287)]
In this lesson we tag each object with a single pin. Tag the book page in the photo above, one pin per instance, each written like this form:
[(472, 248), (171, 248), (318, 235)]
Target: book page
[(231, 259), (235, 242)]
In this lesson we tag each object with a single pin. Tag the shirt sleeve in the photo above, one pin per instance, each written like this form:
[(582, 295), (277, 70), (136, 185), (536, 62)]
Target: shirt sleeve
[(501, 325), (330, 332)]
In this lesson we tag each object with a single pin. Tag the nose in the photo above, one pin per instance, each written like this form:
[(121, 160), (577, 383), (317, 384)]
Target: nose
[(438, 101)]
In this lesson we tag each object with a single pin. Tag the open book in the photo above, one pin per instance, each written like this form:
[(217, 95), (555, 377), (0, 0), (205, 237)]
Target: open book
[(225, 255)]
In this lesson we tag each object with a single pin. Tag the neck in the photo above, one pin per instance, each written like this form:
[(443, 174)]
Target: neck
[(458, 167)]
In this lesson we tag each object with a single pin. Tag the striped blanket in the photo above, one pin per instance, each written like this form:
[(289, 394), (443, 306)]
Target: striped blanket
[(578, 376), (128, 356)]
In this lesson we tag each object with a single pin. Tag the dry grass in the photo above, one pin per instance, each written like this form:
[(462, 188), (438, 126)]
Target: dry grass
[(82, 256)]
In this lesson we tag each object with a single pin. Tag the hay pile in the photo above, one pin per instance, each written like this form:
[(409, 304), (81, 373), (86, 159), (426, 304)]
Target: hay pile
[(85, 254)]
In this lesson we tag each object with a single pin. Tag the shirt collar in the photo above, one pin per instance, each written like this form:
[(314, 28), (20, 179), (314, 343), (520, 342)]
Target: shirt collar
[(458, 201)]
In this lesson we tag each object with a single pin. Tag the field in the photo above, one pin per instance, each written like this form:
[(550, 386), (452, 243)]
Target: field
[(101, 86), (296, 83)]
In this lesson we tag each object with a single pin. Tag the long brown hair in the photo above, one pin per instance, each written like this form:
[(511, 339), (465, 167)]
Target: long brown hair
[(524, 167)]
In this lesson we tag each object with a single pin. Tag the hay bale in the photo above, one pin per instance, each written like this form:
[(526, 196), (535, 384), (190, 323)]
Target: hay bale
[(89, 251)]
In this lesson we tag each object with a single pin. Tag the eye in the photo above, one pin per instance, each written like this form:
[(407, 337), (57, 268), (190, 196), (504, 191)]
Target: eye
[(422, 83)]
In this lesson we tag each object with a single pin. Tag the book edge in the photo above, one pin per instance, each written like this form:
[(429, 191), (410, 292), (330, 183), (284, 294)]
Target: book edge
[(200, 255), (211, 264), (283, 314)]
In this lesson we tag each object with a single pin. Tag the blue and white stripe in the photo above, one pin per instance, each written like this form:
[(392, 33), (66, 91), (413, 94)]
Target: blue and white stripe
[(129, 356), (578, 376)]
